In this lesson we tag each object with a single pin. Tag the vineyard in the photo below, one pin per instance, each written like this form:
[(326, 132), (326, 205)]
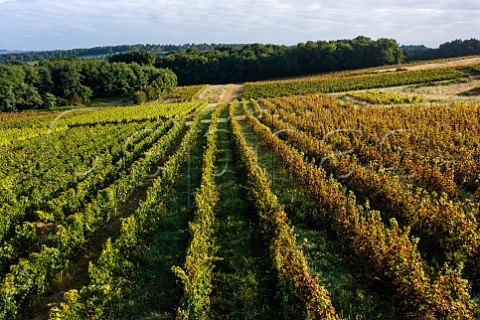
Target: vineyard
[(327, 197), (382, 97), (347, 81)]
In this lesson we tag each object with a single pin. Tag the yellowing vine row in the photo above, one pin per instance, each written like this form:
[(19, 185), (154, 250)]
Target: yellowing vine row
[(387, 251)]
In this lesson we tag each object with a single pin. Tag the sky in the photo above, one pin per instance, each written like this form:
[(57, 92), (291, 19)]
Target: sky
[(69, 24)]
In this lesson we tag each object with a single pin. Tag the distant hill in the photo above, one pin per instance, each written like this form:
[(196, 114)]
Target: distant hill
[(9, 51), (451, 49), (413, 47), (455, 48), (102, 52)]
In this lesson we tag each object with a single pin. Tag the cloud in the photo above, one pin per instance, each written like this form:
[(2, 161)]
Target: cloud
[(53, 24)]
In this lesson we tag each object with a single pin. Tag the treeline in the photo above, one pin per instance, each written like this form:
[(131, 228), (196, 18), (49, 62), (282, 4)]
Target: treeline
[(258, 62), (56, 82), (101, 52), (456, 48)]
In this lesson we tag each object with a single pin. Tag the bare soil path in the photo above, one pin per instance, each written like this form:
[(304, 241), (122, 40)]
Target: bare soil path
[(434, 65), (216, 94)]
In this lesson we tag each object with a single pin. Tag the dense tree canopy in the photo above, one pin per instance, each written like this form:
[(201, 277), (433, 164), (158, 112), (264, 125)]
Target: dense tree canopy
[(140, 57), (256, 62), (456, 48), (72, 81)]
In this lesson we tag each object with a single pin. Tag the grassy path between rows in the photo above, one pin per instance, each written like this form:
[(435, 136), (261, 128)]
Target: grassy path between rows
[(244, 287), (155, 291)]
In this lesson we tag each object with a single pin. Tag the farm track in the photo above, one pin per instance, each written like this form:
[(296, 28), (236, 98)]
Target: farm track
[(427, 66), (244, 286), (155, 291), (217, 94)]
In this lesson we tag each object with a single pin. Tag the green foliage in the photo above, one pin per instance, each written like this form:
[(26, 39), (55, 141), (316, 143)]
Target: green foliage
[(14, 91), (70, 215), (196, 276), (140, 57), (455, 48), (109, 275), (139, 97), (383, 97), (50, 101), (72, 81), (256, 62), (185, 93)]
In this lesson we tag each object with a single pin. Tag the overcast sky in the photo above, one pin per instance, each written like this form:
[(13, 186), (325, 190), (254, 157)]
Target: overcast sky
[(68, 24)]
